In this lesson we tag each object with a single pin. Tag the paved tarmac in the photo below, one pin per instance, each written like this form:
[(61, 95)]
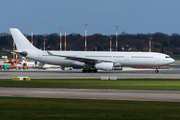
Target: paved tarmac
[(103, 94), (97, 94), (172, 73)]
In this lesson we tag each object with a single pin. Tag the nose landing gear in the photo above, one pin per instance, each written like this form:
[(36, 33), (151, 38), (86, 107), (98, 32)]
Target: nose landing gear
[(156, 71)]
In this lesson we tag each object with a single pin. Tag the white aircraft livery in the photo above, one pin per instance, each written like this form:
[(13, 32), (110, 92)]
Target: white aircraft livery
[(90, 61)]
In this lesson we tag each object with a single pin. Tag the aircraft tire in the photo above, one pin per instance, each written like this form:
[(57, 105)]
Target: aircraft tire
[(156, 71), (89, 71), (95, 70)]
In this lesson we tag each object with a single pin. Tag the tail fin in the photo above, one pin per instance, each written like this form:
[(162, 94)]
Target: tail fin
[(21, 41)]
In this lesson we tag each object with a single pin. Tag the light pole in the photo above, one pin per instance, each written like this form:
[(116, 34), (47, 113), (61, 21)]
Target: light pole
[(44, 43), (60, 40), (116, 38), (150, 44), (86, 37)]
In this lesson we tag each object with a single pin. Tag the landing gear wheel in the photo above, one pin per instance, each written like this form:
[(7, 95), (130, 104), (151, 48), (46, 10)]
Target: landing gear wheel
[(156, 71), (84, 70), (89, 71), (95, 70)]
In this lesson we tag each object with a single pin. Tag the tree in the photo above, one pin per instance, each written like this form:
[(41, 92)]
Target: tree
[(4, 41), (139, 44), (39, 43)]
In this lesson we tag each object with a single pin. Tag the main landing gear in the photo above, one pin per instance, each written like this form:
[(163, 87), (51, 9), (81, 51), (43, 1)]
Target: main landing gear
[(89, 70)]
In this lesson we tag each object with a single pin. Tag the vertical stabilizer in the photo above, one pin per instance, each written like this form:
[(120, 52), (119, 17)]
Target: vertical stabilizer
[(21, 41)]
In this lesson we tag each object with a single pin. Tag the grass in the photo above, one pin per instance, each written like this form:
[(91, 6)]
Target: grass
[(14, 108), (43, 108), (156, 84)]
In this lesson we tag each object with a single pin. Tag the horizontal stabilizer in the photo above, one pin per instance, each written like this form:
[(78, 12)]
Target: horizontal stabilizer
[(23, 53)]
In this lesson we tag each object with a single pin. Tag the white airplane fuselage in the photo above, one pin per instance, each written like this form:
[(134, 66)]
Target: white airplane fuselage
[(124, 58), (104, 60)]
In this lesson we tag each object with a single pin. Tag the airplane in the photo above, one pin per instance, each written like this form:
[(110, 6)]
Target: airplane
[(91, 61)]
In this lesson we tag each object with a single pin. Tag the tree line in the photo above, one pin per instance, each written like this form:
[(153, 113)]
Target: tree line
[(161, 42)]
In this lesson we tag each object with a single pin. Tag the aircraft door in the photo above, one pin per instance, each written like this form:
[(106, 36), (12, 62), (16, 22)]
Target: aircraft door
[(79, 55), (40, 55), (157, 57), (126, 57)]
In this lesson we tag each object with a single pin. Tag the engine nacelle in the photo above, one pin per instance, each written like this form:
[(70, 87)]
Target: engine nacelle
[(117, 68), (104, 66), (108, 66)]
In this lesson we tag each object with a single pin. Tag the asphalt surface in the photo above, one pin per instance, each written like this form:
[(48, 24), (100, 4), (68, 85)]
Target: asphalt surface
[(95, 94), (172, 73), (102, 94)]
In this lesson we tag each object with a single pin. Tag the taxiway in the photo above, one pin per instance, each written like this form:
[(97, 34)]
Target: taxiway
[(172, 73)]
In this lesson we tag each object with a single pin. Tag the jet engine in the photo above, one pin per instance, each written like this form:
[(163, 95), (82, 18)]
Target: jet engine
[(107, 66)]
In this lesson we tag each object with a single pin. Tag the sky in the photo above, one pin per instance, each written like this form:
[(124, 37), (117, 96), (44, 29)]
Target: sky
[(131, 16)]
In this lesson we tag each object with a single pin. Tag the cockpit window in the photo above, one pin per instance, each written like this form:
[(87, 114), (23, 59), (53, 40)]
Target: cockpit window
[(167, 57)]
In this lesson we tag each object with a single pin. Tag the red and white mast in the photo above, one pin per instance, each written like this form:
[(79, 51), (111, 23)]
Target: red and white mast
[(110, 44), (65, 41), (85, 37), (60, 39), (150, 44), (16, 56), (44, 44), (31, 35), (116, 38), (13, 50)]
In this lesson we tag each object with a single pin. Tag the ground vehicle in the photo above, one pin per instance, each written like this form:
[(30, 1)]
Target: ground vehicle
[(1, 67), (6, 67), (12, 66)]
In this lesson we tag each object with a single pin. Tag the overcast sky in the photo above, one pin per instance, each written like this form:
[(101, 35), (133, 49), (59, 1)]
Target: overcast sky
[(132, 16)]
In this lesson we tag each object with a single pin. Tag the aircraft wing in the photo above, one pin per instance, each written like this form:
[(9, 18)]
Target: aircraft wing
[(82, 59)]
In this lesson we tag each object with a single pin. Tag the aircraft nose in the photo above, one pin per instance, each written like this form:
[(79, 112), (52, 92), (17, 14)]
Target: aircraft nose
[(172, 60)]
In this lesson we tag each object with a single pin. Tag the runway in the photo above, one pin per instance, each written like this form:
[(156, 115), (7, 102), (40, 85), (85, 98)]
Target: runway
[(74, 74), (95, 94)]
